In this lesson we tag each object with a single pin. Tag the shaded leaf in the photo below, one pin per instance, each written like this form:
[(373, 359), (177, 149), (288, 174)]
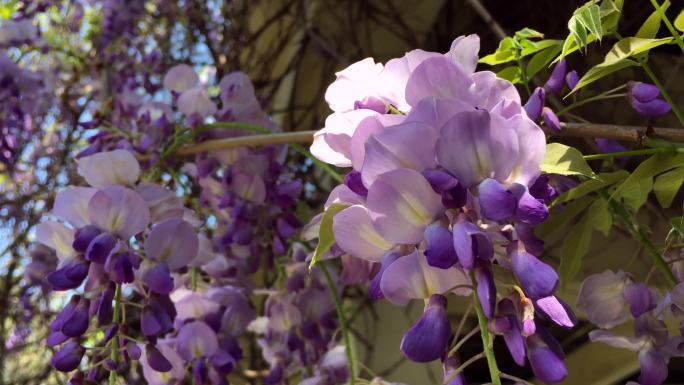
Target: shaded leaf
[(591, 185), (631, 46), (512, 74), (601, 217), (541, 59), (565, 160), (601, 70), (575, 247), (679, 21), (648, 169), (589, 16), (636, 195), (528, 33), (667, 185), (650, 28), (326, 238), (562, 216)]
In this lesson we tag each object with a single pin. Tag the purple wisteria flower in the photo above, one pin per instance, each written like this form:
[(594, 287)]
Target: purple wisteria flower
[(445, 185), (643, 97)]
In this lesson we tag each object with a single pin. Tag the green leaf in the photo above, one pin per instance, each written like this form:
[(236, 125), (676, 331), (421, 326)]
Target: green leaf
[(565, 160), (631, 46), (601, 217), (636, 195), (589, 16), (650, 28), (535, 46), (575, 247), (602, 70), (667, 185), (679, 21), (591, 185), (528, 33), (503, 54), (541, 59), (577, 32), (561, 216), (512, 74), (610, 15), (326, 238), (648, 169)]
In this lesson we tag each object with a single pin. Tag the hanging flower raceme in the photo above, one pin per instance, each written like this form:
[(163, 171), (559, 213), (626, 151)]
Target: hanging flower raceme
[(115, 240), (445, 185)]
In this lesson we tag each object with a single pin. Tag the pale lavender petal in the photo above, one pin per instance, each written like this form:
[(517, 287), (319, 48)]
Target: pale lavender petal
[(402, 203), (489, 90), (531, 138), (630, 343), (437, 77), (118, 167), (180, 78), (196, 340), (395, 75), (640, 298), (407, 145), (374, 289), (476, 145), (367, 127), (71, 205), (601, 299), (249, 187), (332, 144), (196, 101), (173, 242), (463, 51), (653, 367), (355, 234), (119, 210), (435, 112), (57, 237), (353, 84)]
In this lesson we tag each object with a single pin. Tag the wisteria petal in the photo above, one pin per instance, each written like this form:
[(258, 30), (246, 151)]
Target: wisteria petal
[(440, 247), (486, 290), (355, 234), (374, 289), (71, 205), (640, 298), (57, 237), (463, 51), (402, 203), (428, 338), (472, 149), (530, 210), (436, 77), (496, 202), (196, 340), (537, 279), (395, 75), (119, 210), (407, 145), (368, 126), (546, 364), (470, 242), (617, 341), (196, 101), (180, 78), (653, 367), (557, 310), (173, 242), (250, 187), (535, 103), (332, 144), (118, 167), (601, 298), (352, 84)]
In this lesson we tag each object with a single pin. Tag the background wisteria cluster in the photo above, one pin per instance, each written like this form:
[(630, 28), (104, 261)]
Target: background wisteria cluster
[(209, 192)]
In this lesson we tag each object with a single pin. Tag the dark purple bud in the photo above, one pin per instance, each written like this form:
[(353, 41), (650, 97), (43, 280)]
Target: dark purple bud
[(222, 362), (610, 145), (111, 332), (530, 210), (68, 357), (555, 82), (471, 244), (274, 376), (551, 120), (537, 279), (428, 338), (199, 372), (653, 367), (68, 277), (640, 298), (440, 181), (526, 235), (83, 237), (542, 190), (374, 291), (546, 364), (496, 202), (642, 92), (655, 107), (440, 247), (159, 279), (65, 314), (100, 247), (353, 181), (55, 338), (535, 103), (133, 350), (76, 379), (156, 359), (571, 79), (515, 342), (104, 309), (149, 324), (451, 364), (77, 323), (284, 228), (110, 365), (120, 267), (486, 290)]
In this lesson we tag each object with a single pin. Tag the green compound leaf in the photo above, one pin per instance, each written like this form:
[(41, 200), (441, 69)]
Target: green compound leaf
[(667, 185), (650, 28), (326, 238), (591, 185), (679, 21), (565, 160)]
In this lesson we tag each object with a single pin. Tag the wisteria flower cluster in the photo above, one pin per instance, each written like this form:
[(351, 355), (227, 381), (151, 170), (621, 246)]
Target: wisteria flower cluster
[(445, 191)]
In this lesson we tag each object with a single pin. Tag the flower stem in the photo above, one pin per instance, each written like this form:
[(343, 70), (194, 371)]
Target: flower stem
[(603, 95), (341, 319), (115, 340), (663, 91), (673, 31), (487, 341), (639, 235), (645, 151)]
